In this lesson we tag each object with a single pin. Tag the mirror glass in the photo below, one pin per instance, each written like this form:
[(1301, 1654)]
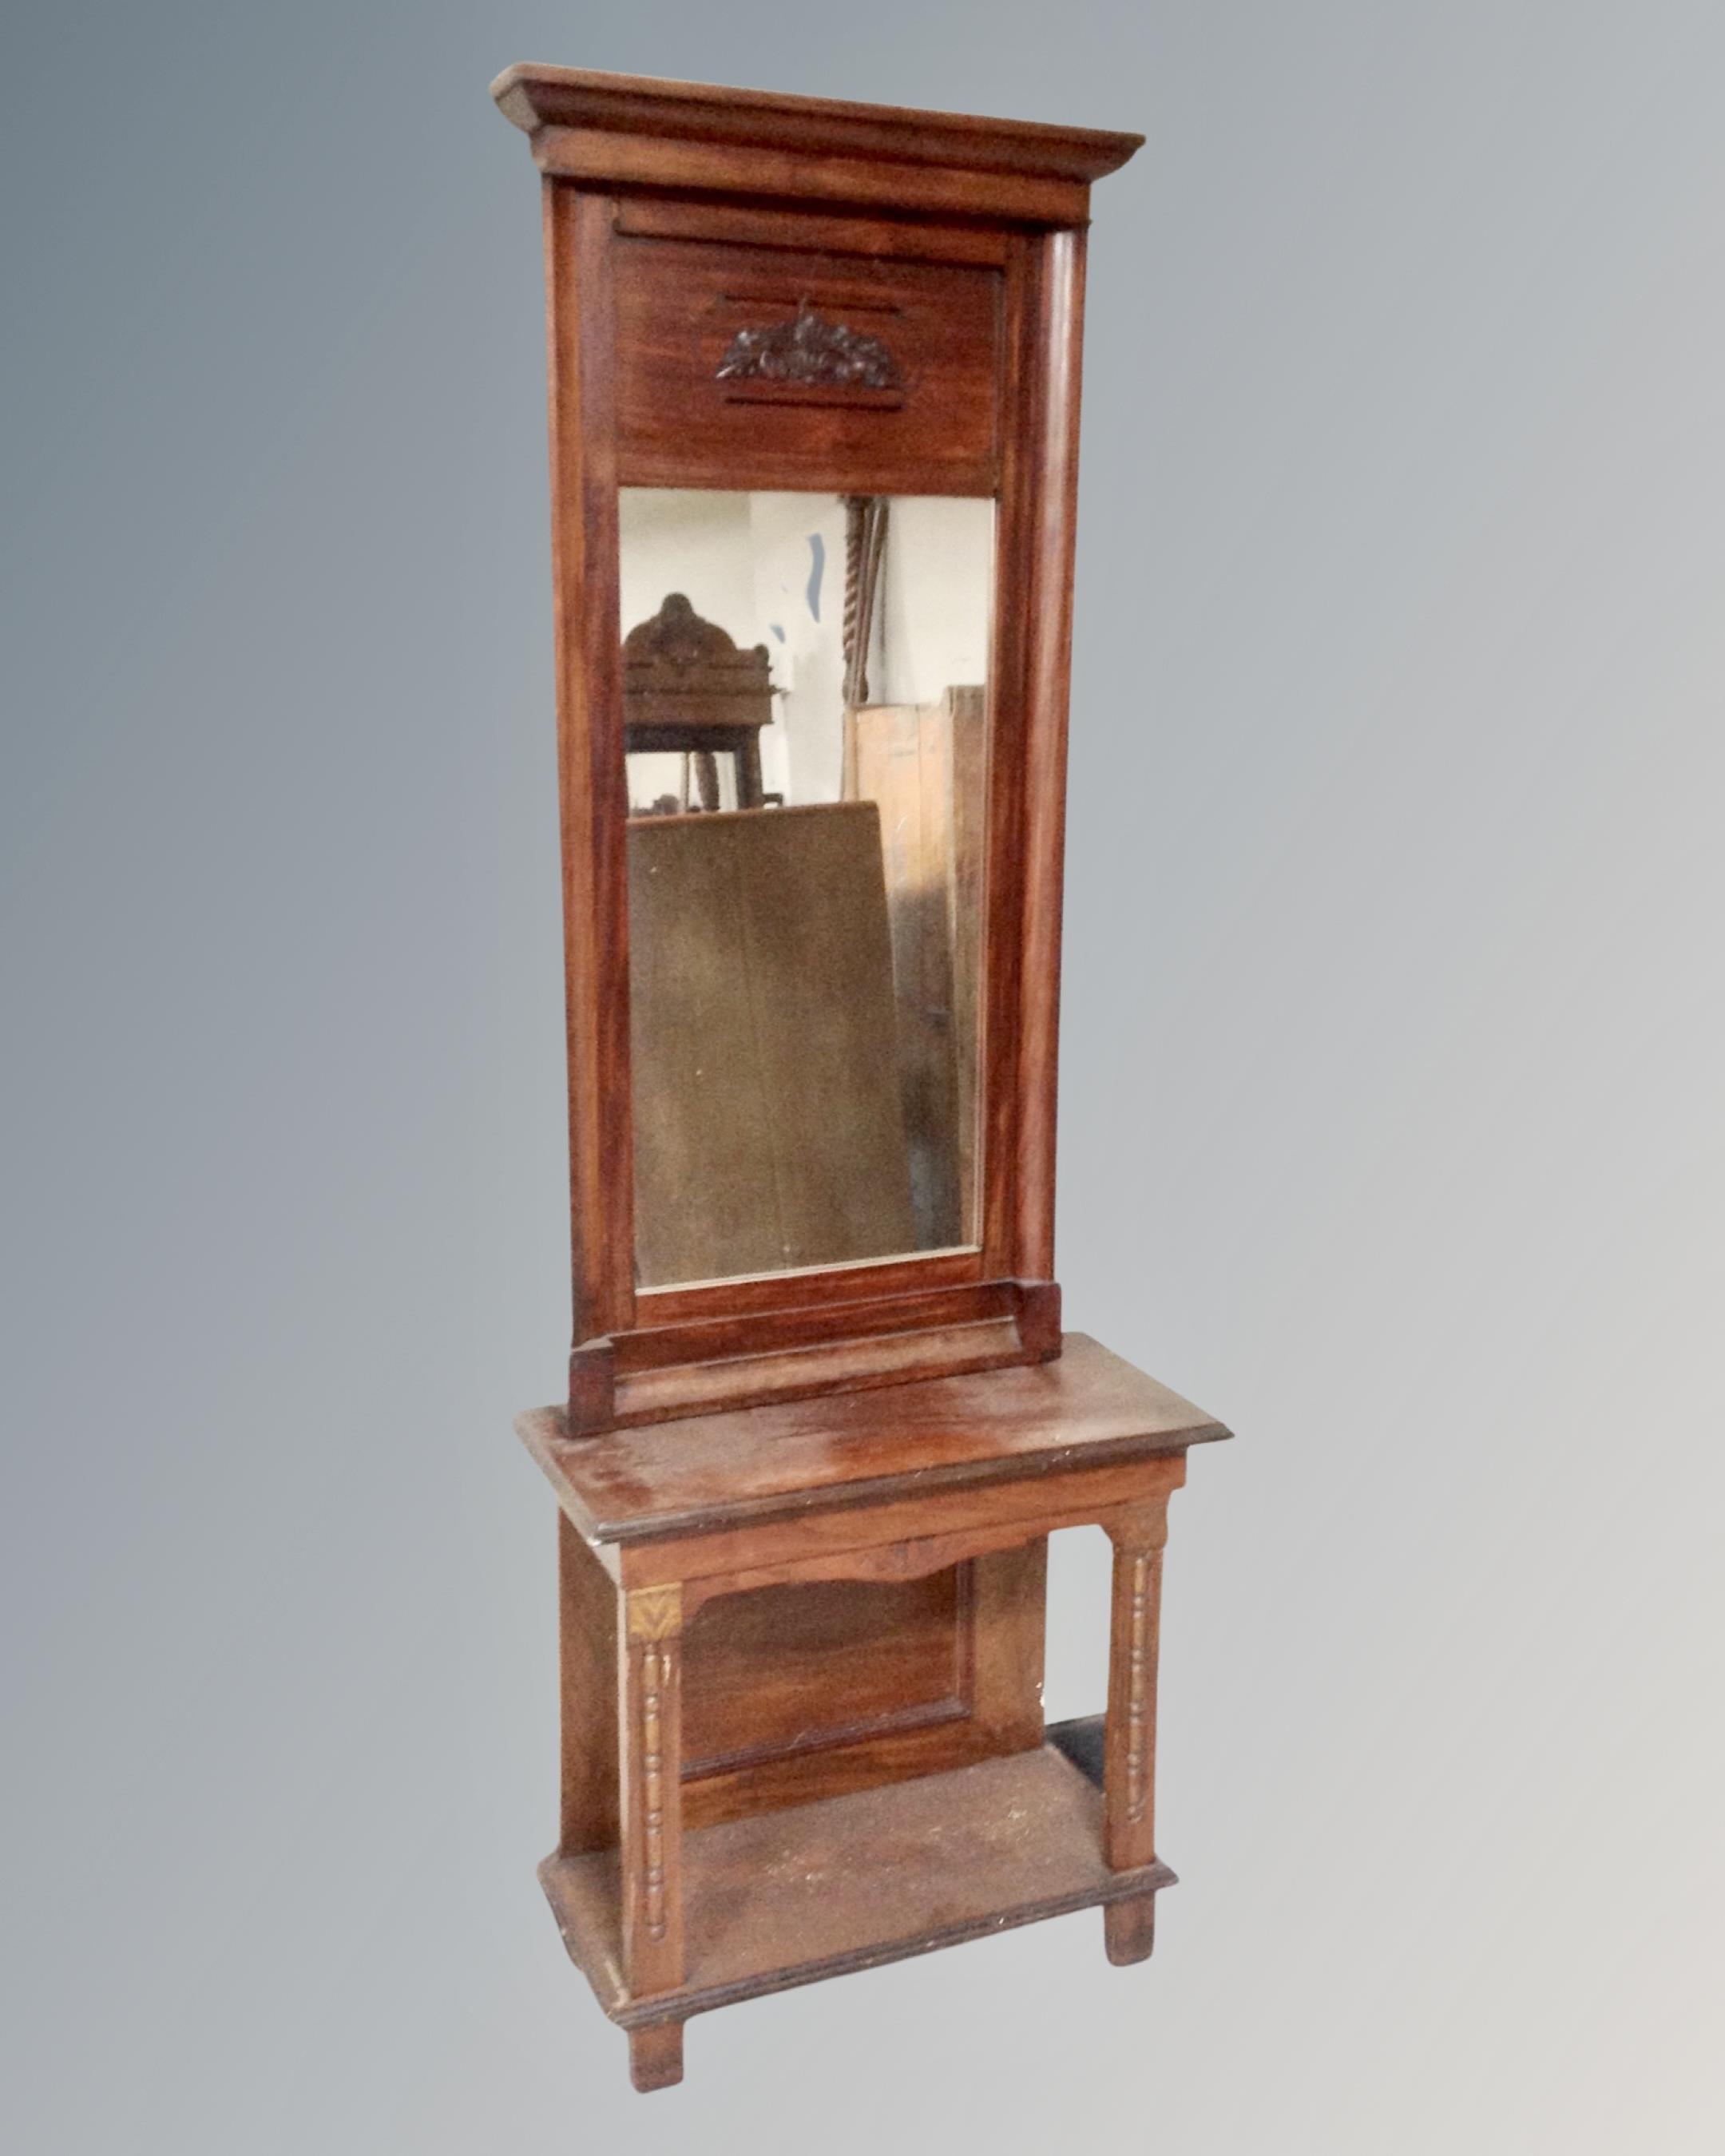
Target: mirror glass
[(805, 723)]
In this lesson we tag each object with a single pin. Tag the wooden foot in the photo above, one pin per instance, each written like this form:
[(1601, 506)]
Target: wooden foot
[(1129, 1929), (655, 2056)]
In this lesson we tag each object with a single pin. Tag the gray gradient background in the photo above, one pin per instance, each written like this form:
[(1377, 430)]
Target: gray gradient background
[(1391, 1125)]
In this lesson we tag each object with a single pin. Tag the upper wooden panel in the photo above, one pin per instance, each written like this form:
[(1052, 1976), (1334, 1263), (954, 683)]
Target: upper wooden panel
[(709, 1471), (772, 367), (634, 130)]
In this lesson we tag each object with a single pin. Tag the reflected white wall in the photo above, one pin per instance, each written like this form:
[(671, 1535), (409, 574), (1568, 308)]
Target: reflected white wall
[(769, 568), (938, 601)]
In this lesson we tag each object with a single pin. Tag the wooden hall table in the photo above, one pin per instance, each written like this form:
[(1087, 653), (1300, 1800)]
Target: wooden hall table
[(886, 1484)]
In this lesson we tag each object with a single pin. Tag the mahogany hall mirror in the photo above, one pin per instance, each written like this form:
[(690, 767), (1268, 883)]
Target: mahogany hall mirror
[(813, 494), (813, 422)]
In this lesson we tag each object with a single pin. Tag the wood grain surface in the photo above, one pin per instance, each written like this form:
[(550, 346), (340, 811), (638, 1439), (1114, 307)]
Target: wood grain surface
[(828, 1888), (633, 130), (805, 1512), (682, 423), (1087, 1409), (647, 274)]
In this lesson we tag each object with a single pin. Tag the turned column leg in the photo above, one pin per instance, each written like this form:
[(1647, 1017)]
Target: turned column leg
[(1129, 1750), (649, 1750)]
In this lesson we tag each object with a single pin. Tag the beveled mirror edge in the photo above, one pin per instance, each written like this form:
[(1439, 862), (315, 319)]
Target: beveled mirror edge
[(726, 1283)]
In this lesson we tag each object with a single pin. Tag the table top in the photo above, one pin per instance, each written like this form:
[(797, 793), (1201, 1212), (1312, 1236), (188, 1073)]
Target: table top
[(1085, 1408)]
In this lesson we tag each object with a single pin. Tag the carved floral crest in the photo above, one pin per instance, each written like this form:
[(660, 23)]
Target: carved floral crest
[(810, 352)]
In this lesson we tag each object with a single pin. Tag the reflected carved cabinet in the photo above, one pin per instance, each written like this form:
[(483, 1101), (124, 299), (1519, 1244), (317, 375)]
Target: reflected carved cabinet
[(813, 381)]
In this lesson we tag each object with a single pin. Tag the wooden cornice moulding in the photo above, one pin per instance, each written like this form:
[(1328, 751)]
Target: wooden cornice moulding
[(637, 131)]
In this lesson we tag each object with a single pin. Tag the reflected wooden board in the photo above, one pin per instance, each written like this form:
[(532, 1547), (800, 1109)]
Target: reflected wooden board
[(925, 767), (769, 1131)]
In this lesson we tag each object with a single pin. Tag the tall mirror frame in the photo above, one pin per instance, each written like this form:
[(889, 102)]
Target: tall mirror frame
[(641, 180)]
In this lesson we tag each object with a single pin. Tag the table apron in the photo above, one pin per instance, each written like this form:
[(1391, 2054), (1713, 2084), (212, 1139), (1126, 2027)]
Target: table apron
[(905, 1539)]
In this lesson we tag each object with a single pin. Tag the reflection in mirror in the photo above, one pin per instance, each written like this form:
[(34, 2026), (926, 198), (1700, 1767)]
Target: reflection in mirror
[(806, 735)]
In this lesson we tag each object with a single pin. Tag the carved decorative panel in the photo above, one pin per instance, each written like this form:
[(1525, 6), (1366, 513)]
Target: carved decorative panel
[(810, 353)]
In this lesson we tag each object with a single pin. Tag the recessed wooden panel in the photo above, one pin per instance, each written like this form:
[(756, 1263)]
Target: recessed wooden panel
[(791, 1668), (929, 428), (815, 1689)]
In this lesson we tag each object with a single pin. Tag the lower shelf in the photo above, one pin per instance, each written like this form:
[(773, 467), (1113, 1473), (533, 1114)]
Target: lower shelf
[(788, 1897)]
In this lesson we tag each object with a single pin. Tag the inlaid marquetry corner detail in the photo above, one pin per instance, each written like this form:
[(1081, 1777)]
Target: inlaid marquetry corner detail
[(658, 1671), (1137, 1685), (1138, 1532), (653, 1613), (653, 1618)]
